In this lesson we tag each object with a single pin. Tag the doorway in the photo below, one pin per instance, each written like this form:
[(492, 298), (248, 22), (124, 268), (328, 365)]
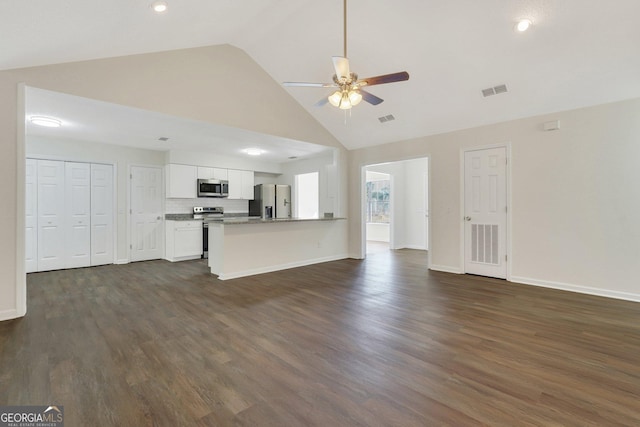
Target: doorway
[(146, 209), (395, 206)]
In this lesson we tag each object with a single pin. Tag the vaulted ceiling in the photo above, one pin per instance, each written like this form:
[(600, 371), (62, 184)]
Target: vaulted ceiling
[(577, 53)]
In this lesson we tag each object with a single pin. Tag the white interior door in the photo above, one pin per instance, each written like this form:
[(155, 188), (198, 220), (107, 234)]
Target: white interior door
[(101, 214), (77, 214), (146, 213), (51, 234), (485, 210), (31, 216)]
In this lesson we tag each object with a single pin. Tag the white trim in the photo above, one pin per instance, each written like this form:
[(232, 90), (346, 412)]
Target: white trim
[(445, 268), (416, 247), (576, 288), (507, 147), (279, 267), (21, 271), (122, 261), (9, 314)]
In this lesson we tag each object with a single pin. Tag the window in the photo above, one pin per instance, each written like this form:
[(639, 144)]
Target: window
[(307, 195), (378, 193)]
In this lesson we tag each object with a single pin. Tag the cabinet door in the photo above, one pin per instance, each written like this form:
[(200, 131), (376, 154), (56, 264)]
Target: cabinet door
[(51, 235), (205, 173), (235, 184), (181, 181), (101, 214), (220, 174), (187, 239), (31, 216), (77, 214), (247, 185)]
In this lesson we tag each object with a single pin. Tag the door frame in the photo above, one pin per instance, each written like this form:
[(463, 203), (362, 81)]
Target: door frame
[(463, 151), (128, 211), (363, 204)]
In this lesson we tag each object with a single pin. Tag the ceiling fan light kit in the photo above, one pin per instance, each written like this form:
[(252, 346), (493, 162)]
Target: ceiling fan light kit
[(349, 88)]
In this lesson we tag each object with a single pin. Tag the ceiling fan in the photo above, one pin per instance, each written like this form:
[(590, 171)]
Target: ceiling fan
[(349, 90)]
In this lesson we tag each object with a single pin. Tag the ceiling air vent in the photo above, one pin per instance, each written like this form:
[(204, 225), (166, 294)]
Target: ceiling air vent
[(385, 119), (496, 90), (163, 138)]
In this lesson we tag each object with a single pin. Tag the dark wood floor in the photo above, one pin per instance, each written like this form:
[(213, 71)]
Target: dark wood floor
[(381, 342)]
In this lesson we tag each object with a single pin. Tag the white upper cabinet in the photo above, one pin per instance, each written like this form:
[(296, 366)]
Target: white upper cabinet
[(181, 181), (240, 184), (211, 173)]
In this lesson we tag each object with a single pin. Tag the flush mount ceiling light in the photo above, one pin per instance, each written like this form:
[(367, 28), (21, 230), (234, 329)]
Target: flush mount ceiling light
[(253, 151), (523, 25), (159, 6), (49, 122)]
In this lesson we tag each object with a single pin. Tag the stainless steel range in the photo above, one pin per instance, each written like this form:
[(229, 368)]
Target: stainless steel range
[(205, 213)]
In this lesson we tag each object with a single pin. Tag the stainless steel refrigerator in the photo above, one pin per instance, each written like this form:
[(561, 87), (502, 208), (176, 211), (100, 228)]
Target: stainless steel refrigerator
[(271, 201)]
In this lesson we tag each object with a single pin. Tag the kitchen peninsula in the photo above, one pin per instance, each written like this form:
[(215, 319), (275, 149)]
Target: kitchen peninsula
[(246, 246)]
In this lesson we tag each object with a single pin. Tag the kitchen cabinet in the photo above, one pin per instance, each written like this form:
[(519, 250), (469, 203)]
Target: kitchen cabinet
[(212, 173), (240, 184), (181, 181), (183, 240)]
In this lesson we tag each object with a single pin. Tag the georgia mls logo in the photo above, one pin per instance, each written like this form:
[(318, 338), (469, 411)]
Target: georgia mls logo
[(32, 416)]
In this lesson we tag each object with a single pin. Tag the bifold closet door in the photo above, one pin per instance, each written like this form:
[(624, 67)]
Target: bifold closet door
[(77, 215), (31, 216), (51, 219), (101, 214)]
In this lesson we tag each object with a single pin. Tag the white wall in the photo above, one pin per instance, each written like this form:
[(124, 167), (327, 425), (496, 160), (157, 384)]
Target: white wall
[(83, 151), (220, 161), (575, 196)]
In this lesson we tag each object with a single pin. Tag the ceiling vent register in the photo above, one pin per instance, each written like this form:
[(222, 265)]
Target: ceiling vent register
[(385, 119), (496, 90)]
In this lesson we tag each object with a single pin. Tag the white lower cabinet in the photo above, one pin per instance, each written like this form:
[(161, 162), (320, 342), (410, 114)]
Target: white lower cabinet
[(183, 240)]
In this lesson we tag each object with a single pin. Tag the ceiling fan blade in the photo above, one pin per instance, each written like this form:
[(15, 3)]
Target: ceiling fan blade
[(307, 84), (322, 102), (387, 78), (370, 98), (341, 66)]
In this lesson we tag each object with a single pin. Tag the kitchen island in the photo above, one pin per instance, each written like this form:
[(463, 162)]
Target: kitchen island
[(246, 246)]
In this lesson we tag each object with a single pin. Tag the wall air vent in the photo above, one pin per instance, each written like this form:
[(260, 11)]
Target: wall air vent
[(496, 90), (385, 119), (163, 138)]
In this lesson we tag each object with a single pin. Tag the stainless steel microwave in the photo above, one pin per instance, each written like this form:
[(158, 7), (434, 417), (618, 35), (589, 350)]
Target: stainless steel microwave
[(213, 188)]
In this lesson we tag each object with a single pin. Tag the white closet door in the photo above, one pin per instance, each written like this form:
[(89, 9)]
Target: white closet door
[(101, 214), (31, 216), (78, 214), (51, 233), (147, 226)]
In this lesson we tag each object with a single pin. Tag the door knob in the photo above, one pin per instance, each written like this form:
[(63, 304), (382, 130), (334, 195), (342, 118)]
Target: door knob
[(467, 218)]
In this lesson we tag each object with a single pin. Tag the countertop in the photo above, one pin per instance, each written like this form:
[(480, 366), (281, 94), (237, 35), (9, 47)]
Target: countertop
[(242, 219)]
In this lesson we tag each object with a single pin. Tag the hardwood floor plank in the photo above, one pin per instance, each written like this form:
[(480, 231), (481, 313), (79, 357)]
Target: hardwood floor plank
[(374, 342)]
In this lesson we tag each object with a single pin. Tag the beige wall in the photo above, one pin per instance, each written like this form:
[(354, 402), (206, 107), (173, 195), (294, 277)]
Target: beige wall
[(575, 196), (217, 84)]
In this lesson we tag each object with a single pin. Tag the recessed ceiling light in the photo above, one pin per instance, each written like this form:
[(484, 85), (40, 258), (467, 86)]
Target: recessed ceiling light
[(523, 25), (159, 6), (49, 122), (253, 151)]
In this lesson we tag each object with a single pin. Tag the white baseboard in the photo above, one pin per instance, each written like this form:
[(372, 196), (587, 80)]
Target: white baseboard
[(122, 261), (416, 247), (279, 267), (576, 288), (9, 314), (445, 268)]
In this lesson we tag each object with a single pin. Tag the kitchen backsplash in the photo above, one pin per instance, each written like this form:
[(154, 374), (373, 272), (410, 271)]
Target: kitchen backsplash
[(186, 205)]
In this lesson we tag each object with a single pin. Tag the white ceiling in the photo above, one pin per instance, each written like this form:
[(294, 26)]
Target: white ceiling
[(96, 121), (578, 52)]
